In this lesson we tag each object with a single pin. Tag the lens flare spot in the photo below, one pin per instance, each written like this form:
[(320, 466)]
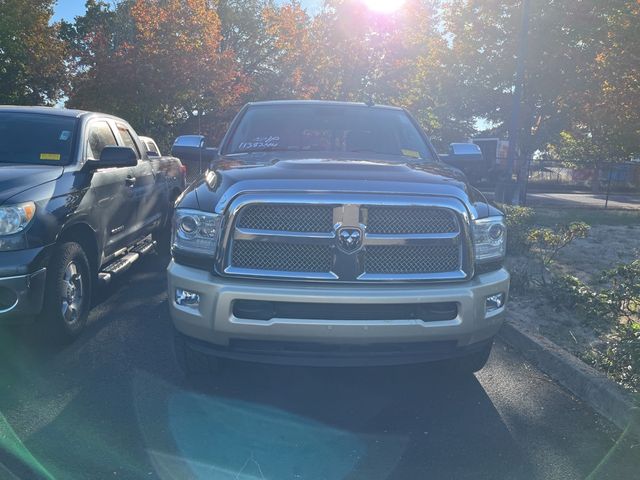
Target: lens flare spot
[(384, 6)]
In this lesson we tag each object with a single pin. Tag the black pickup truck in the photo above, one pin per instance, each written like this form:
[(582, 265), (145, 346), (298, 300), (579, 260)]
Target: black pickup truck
[(332, 233), (80, 202)]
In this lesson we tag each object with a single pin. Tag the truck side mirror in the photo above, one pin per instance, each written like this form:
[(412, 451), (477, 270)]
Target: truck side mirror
[(113, 157), (189, 147), (192, 151)]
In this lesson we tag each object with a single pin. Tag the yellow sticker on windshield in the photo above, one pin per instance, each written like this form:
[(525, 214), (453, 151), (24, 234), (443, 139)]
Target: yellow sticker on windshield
[(410, 153), (49, 156)]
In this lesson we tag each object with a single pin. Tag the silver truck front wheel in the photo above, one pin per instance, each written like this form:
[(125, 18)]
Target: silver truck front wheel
[(67, 298)]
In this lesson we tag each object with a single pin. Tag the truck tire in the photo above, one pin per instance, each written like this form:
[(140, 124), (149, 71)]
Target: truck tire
[(473, 362), (67, 299), (192, 363)]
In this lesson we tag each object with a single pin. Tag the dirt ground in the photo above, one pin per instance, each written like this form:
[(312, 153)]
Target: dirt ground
[(586, 258)]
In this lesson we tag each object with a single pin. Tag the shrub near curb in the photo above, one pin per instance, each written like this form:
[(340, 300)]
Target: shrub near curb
[(611, 311)]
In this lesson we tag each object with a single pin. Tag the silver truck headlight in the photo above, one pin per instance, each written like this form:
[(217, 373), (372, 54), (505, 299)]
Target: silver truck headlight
[(489, 239), (195, 231), (15, 218)]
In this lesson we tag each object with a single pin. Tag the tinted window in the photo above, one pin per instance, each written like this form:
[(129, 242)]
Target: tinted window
[(328, 128), (128, 140), (36, 138), (100, 136)]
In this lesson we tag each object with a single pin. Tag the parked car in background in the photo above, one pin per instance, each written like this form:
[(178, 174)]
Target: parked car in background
[(80, 202), (468, 158), (151, 146), (331, 233)]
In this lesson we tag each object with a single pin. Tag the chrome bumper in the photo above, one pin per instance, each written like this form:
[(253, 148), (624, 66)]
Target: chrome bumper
[(212, 321)]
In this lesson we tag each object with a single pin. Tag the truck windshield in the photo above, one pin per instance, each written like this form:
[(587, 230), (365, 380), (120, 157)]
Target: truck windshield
[(328, 128), (36, 138)]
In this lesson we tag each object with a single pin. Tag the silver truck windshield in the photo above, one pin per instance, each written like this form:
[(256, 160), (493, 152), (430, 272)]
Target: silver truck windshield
[(36, 139), (328, 128)]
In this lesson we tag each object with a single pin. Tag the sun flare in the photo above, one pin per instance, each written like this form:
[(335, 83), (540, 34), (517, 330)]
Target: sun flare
[(384, 6)]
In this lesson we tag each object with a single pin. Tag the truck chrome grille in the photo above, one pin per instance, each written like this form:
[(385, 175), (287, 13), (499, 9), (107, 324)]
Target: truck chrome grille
[(410, 220), (412, 260), (287, 218), (349, 239), (282, 257)]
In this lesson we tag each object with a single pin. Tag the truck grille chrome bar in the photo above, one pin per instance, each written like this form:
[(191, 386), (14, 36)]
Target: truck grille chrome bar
[(352, 238)]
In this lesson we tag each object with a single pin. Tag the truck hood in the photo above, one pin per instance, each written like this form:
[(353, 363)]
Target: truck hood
[(339, 169), (16, 178), (237, 175)]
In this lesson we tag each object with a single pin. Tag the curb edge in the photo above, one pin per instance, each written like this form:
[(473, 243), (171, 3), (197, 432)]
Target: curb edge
[(592, 387)]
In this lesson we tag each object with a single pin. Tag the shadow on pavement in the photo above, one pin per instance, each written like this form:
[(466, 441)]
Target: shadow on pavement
[(114, 405)]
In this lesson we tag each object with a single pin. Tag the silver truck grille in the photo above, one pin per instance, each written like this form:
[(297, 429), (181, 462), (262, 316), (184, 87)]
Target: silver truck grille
[(355, 239), (282, 257), (412, 260), (410, 220), (287, 218)]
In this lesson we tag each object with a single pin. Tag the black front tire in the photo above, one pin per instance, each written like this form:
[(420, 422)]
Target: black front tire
[(69, 285), (191, 362)]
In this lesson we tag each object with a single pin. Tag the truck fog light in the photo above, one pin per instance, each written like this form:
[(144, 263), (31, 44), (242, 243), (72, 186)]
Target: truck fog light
[(495, 302), (185, 298)]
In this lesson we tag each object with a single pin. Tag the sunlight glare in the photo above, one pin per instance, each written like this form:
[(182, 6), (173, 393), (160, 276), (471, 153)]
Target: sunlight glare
[(384, 6)]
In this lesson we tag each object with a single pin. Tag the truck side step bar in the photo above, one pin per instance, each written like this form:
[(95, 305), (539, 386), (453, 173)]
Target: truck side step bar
[(124, 263)]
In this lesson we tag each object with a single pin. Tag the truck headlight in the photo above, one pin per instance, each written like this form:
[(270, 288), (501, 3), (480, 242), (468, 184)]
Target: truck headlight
[(15, 218), (489, 239), (195, 231)]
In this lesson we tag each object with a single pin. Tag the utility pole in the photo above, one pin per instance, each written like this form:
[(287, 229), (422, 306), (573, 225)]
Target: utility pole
[(516, 107)]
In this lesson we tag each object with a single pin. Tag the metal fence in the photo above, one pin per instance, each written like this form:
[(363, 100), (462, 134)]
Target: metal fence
[(195, 169), (623, 175)]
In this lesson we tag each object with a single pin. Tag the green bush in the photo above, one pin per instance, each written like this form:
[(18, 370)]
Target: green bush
[(519, 222), (546, 243), (621, 357), (571, 293), (624, 289), (616, 308)]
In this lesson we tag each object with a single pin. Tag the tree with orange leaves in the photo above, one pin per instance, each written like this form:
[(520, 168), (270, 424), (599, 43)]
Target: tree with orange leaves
[(288, 28), (159, 64)]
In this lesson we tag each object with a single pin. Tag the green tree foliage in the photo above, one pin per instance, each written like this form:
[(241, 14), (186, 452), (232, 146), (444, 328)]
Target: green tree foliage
[(32, 69), (159, 62), (581, 71), (605, 107)]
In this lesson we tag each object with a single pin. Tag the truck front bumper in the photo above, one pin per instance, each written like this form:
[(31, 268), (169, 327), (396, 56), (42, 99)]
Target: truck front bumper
[(22, 283), (21, 296), (212, 324)]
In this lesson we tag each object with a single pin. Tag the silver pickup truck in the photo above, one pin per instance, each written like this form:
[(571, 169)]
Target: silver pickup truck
[(330, 233)]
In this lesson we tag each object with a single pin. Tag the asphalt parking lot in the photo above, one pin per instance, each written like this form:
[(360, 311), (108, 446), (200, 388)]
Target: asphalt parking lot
[(114, 405)]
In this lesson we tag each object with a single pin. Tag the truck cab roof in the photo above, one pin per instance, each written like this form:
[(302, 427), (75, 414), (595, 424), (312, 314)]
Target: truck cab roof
[(321, 103)]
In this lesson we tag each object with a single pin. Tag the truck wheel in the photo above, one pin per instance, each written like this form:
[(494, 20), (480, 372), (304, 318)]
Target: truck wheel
[(474, 362), (67, 299), (192, 363)]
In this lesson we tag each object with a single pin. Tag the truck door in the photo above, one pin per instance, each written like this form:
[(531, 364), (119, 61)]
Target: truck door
[(110, 190), (147, 189)]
